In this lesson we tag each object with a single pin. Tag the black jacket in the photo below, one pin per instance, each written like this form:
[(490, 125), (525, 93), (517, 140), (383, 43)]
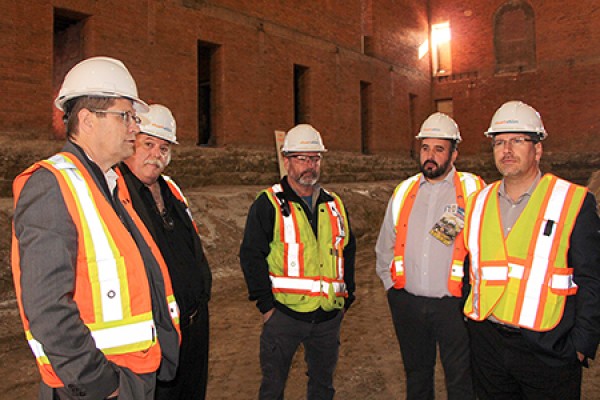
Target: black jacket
[(579, 328), (204, 282)]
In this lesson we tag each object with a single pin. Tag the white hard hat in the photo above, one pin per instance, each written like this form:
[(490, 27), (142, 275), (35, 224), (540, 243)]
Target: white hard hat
[(303, 137), (99, 76), (439, 126), (159, 122), (517, 117)]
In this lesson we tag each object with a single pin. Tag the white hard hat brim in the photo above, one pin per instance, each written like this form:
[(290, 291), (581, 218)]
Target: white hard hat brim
[(159, 137)]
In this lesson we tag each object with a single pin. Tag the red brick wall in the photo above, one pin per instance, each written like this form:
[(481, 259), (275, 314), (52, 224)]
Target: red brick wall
[(258, 43), (564, 87)]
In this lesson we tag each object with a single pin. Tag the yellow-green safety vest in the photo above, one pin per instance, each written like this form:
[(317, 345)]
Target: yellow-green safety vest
[(523, 279), (307, 272)]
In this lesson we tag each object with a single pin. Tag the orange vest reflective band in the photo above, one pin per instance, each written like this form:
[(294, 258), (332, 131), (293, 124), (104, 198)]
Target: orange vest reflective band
[(403, 200), (523, 279), (178, 193), (111, 287), (301, 264)]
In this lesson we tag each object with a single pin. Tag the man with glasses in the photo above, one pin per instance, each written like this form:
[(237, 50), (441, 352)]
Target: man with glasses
[(297, 256), (420, 260), (534, 243), (93, 291), (164, 210)]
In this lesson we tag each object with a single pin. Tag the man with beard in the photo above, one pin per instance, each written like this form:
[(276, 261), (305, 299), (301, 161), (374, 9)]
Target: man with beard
[(163, 209), (534, 245), (297, 256), (420, 256)]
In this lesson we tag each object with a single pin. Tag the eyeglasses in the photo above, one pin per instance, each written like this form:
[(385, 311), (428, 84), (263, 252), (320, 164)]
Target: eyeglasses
[(307, 159), (126, 116), (514, 142)]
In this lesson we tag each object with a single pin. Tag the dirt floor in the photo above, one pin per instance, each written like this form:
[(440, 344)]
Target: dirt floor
[(370, 366)]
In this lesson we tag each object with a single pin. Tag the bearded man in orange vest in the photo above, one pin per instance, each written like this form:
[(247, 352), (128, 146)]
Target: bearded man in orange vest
[(93, 290), (420, 257), (534, 244)]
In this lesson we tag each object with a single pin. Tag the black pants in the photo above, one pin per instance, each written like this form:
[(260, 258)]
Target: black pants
[(279, 341), (192, 372), (505, 368), (421, 324)]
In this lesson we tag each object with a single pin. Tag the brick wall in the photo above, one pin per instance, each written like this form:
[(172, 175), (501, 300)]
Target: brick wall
[(564, 86), (256, 45)]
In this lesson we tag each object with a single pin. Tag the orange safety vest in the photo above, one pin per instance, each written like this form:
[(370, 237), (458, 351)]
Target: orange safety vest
[(402, 203), (308, 272), (178, 193), (111, 287), (523, 279)]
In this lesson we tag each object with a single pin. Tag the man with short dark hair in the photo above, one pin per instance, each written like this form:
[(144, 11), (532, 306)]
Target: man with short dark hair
[(420, 257), (94, 296)]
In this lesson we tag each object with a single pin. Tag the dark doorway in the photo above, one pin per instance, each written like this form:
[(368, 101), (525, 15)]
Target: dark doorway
[(413, 125), (301, 95), (365, 116), (206, 55), (68, 50)]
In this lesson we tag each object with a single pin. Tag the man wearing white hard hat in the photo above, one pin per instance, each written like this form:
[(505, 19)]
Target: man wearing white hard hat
[(420, 261), (163, 208), (297, 256), (94, 294), (534, 243)]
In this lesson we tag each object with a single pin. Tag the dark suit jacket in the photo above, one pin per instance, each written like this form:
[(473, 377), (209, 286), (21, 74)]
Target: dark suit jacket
[(579, 329)]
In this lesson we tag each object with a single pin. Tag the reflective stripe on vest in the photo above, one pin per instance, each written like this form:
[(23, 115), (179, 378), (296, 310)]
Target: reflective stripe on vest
[(312, 287), (178, 193), (338, 237), (294, 280), (111, 286), (403, 200), (524, 282), (105, 338)]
